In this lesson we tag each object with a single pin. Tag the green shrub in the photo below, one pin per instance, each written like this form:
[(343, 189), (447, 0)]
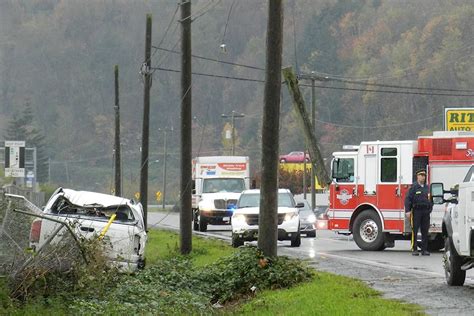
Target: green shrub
[(247, 271)]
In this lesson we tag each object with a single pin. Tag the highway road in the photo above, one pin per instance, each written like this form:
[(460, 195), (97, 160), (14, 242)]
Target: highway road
[(394, 271)]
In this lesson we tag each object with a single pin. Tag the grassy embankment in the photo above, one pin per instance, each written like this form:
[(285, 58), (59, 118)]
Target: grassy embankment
[(325, 294)]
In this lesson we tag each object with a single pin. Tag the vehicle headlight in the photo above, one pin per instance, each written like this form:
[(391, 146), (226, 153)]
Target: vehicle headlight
[(238, 219), (311, 218), (205, 207), (289, 216)]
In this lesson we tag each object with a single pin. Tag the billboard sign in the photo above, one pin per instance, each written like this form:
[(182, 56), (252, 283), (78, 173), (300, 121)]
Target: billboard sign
[(459, 119), (15, 159)]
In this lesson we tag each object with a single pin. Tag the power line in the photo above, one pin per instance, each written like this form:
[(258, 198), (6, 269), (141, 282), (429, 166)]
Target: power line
[(210, 75), (227, 21), (210, 59), (330, 78), (321, 86)]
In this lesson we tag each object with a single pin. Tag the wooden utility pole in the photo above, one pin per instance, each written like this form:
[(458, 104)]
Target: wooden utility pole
[(313, 122), (268, 228), (185, 219), (117, 150), (145, 71), (298, 102)]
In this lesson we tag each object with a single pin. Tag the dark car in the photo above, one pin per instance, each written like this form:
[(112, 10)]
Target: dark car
[(307, 220), (295, 156)]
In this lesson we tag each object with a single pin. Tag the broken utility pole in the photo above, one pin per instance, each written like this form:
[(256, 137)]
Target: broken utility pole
[(298, 102), (145, 71), (185, 219), (117, 156), (268, 228)]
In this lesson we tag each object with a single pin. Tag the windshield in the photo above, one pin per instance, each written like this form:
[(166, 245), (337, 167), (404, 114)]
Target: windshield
[(343, 169), (470, 175), (253, 200), (223, 185)]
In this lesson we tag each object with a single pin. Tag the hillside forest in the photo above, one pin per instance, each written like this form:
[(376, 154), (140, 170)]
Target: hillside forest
[(390, 69)]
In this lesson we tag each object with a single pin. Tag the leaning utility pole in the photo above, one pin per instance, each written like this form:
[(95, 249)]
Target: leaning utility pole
[(313, 122), (145, 71), (233, 116), (118, 167), (299, 105), (268, 228), (185, 219)]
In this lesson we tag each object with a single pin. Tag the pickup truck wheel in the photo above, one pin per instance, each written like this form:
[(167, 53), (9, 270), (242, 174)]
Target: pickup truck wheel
[(202, 224), (236, 241), (452, 265), (367, 231), (296, 240)]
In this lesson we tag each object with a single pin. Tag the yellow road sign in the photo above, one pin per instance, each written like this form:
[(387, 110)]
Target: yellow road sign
[(137, 195), (158, 196)]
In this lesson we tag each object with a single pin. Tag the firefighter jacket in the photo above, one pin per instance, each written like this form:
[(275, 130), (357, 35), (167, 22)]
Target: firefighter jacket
[(418, 198)]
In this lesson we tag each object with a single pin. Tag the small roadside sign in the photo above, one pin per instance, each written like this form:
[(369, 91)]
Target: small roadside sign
[(15, 159), (137, 195), (158, 196)]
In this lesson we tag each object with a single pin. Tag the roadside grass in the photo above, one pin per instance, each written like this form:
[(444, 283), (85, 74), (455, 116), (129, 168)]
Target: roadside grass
[(164, 245), (327, 294), (174, 284)]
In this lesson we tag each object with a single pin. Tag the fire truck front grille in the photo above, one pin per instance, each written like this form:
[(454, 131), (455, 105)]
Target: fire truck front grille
[(223, 204), (252, 219), (442, 147)]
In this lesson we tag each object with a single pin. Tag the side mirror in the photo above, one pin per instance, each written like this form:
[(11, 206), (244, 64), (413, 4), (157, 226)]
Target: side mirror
[(437, 193), (300, 205)]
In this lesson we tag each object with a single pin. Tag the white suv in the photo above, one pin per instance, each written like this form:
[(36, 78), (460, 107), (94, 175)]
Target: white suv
[(246, 217)]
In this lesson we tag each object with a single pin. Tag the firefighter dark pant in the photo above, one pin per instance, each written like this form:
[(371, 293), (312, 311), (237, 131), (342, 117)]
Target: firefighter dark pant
[(420, 220)]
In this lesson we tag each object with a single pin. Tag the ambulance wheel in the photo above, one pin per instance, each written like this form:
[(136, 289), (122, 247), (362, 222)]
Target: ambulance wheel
[(367, 231), (452, 265)]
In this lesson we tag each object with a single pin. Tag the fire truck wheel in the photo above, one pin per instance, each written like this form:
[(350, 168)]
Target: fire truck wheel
[(367, 231), (452, 265)]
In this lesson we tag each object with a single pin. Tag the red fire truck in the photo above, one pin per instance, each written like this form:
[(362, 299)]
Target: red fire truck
[(370, 181)]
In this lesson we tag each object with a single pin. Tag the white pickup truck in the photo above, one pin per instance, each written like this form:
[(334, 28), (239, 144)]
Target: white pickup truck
[(116, 220), (458, 227)]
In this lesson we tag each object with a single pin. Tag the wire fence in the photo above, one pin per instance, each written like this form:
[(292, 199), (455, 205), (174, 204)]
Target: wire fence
[(22, 262)]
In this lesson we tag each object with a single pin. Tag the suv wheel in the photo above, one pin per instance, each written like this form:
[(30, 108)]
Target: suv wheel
[(296, 240), (452, 264), (236, 241)]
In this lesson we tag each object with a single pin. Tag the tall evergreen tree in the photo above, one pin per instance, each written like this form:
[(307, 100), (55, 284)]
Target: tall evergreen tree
[(22, 127)]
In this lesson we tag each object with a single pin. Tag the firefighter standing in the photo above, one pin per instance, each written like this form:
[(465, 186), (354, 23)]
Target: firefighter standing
[(418, 208)]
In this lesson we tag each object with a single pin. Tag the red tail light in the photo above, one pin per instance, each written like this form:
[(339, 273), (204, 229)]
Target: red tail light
[(35, 231)]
